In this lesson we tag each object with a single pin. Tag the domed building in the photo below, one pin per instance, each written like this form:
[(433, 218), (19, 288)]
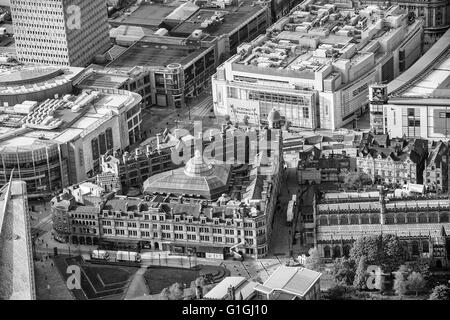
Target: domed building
[(199, 178)]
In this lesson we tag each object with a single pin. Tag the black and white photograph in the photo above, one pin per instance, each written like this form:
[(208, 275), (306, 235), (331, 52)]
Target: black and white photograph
[(216, 158)]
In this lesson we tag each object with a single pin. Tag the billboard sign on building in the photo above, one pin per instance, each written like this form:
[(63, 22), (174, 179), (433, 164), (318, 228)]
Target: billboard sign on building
[(378, 93)]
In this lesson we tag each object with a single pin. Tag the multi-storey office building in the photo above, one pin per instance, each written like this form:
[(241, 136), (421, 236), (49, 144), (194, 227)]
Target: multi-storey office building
[(60, 32), (179, 47), (316, 64), (417, 102), (58, 142), (422, 224)]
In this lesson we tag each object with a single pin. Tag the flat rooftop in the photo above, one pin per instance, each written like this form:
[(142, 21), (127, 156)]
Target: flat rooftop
[(149, 15), (23, 79), (16, 260), (233, 18), (65, 123), (150, 54), (308, 41), (103, 80)]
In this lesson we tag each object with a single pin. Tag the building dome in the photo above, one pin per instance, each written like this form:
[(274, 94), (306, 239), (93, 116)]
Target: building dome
[(198, 178), (274, 116), (197, 166)]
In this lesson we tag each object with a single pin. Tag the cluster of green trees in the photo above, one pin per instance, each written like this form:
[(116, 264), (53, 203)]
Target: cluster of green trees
[(355, 180), (372, 256), (199, 287), (440, 292), (384, 251)]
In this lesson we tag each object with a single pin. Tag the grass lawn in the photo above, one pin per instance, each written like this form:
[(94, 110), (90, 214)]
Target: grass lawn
[(110, 275), (114, 279), (160, 278)]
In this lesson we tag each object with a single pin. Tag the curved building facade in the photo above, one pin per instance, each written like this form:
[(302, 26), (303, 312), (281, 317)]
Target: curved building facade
[(19, 84), (39, 163)]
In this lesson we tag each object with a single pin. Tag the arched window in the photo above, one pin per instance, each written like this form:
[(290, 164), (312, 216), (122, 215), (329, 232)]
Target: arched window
[(422, 217), (415, 248), (333, 220), (337, 252), (354, 219), (343, 219), (375, 219), (425, 246), (411, 217), (400, 218), (327, 252), (389, 219), (346, 250), (323, 221), (433, 216), (364, 219)]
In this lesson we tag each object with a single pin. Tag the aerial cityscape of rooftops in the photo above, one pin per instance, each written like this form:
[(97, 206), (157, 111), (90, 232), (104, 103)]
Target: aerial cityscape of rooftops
[(225, 150)]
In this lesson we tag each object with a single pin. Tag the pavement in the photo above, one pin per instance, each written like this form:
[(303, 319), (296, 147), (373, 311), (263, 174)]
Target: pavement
[(49, 283), (157, 119), (138, 287)]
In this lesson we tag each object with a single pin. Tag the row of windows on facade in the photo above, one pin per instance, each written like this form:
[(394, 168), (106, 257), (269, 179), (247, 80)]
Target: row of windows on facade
[(389, 219), (41, 53), (45, 54), (202, 220), (41, 61), (337, 250), (176, 236), (391, 173), (180, 228)]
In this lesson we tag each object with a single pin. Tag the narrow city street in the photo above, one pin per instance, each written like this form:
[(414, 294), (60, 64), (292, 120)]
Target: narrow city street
[(279, 243)]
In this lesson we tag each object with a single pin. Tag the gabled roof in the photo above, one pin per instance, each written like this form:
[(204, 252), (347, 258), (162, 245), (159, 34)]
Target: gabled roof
[(293, 280)]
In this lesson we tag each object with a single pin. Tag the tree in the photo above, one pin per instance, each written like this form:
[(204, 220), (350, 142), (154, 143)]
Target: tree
[(421, 266), (366, 246), (400, 280), (344, 271), (392, 253), (165, 294), (338, 292), (360, 275), (441, 292), (356, 180), (314, 260), (416, 282), (174, 292), (385, 251)]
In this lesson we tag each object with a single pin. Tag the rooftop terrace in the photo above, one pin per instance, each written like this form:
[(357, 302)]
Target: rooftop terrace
[(149, 15), (151, 54), (228, 19), (315, 36)]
